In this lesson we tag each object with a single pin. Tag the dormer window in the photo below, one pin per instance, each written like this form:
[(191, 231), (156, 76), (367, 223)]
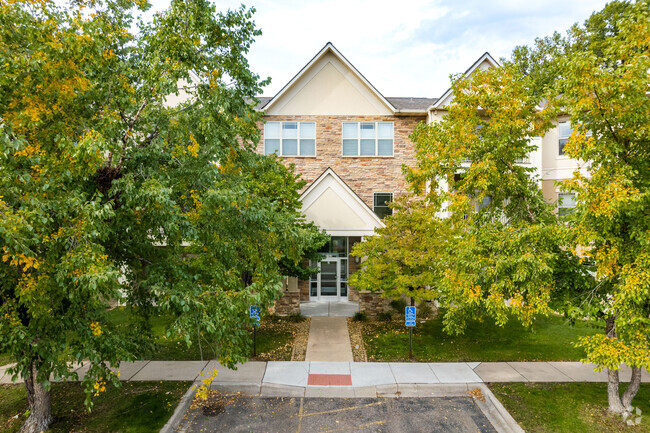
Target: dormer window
[(290, 138), (367, 139)]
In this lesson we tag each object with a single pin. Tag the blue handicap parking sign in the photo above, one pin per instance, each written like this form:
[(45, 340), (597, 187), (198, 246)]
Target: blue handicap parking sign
[(410, 316), (255, 313)]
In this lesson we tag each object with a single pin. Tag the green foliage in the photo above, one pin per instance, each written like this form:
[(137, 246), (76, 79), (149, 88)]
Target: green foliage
[(425, 311), (566, 407), (398, 305), (604, 90), (548, 339), (483, 234), (598, 75), (137, 407), (295, 318), (360, 316), (127, 172), (385, 316)]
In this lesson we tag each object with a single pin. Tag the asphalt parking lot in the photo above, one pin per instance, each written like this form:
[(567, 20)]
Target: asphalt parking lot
[(236, 413)]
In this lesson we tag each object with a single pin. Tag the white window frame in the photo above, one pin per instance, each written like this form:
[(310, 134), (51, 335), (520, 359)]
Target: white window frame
[(562, 205), (374, 198), (298, 139), (376, 139), (561, 152)]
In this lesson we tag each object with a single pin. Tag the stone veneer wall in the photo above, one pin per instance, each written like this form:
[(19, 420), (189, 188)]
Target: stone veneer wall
[(364, 174), (372, 303), (288, 304)]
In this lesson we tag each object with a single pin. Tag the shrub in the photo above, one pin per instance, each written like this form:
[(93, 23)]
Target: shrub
[(296, 318), (386, 316), (398, 305), (360, 316), (425, 310)]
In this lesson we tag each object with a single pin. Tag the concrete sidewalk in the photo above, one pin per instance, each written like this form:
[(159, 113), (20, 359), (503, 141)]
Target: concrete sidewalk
[(329, 340), (260, 376)]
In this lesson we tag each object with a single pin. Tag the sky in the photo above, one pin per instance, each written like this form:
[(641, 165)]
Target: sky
[(404, 47)]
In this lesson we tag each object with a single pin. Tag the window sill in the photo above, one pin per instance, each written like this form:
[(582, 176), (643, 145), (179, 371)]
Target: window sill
[(293, 156), (368, 156)]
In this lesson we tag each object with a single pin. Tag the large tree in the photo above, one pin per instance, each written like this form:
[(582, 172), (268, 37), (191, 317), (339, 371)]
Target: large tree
[(598, 75), (482, 239), (127, 172), (604, 88)]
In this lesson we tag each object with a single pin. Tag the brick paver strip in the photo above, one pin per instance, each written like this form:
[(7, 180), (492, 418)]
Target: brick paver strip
[(330, 379)]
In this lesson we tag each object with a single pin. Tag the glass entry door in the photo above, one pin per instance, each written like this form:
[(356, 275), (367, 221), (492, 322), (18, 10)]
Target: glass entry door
[(329, 278), (331, 283)]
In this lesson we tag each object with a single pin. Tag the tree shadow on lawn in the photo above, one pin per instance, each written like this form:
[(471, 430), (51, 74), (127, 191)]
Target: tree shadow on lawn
[(549, 339)]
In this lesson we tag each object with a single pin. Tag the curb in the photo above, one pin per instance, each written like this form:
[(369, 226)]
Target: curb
[(179, 413), (494, 411)]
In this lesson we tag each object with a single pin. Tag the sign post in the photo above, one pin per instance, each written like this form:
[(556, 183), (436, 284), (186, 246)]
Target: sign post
[(255, 315), (410, 323)]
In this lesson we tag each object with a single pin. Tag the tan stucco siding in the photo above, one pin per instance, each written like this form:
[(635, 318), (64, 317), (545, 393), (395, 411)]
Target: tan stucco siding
[(329, 210), (329, 88)]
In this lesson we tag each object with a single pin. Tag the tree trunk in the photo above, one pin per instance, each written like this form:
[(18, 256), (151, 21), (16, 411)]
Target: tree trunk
[(40, 404), (613, 397), (632, 389)]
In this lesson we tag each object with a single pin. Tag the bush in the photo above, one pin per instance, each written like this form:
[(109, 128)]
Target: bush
[(426, 312), (386, 316), (296, 318), (359, 316), (398, 305)]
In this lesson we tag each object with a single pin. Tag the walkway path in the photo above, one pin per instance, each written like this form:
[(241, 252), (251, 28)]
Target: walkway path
[(360, 380), (364, 377), (329, 340), (328, 308)]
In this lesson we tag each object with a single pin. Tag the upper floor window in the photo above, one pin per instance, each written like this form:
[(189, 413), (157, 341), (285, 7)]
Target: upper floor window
[(290, 138), (565, 131), (565, 203), (381, 201), (367, 138)]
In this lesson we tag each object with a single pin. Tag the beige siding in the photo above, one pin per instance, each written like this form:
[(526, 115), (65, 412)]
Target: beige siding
[(329, 88)]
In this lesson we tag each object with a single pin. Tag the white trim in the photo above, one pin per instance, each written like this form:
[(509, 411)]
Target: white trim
[(338, 297), (330, 180), (376, 139), (486, 56), (305, 72), (298, 138)]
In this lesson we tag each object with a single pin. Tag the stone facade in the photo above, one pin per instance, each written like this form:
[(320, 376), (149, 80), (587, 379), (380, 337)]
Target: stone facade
[(364, 174), (372, 303), (288, 304)]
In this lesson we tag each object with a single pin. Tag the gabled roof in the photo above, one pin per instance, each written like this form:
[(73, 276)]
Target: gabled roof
[(328, 48), (419, 104), (486, 57), (333, 206)]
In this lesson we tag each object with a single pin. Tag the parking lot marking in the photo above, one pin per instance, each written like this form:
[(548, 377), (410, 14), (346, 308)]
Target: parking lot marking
[(360, 426), (343, 409)]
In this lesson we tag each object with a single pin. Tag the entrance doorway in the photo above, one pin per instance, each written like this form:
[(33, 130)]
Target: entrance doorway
[(331, 283)]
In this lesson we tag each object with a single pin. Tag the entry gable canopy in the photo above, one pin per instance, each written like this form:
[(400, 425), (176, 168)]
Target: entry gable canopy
[(333, 206), (329, 85), (483, 62)]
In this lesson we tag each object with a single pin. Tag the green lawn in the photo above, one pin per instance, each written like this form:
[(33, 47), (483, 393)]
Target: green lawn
[(550, 339), (134, 408), (568, 407), (4, 359), (274, 339)]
